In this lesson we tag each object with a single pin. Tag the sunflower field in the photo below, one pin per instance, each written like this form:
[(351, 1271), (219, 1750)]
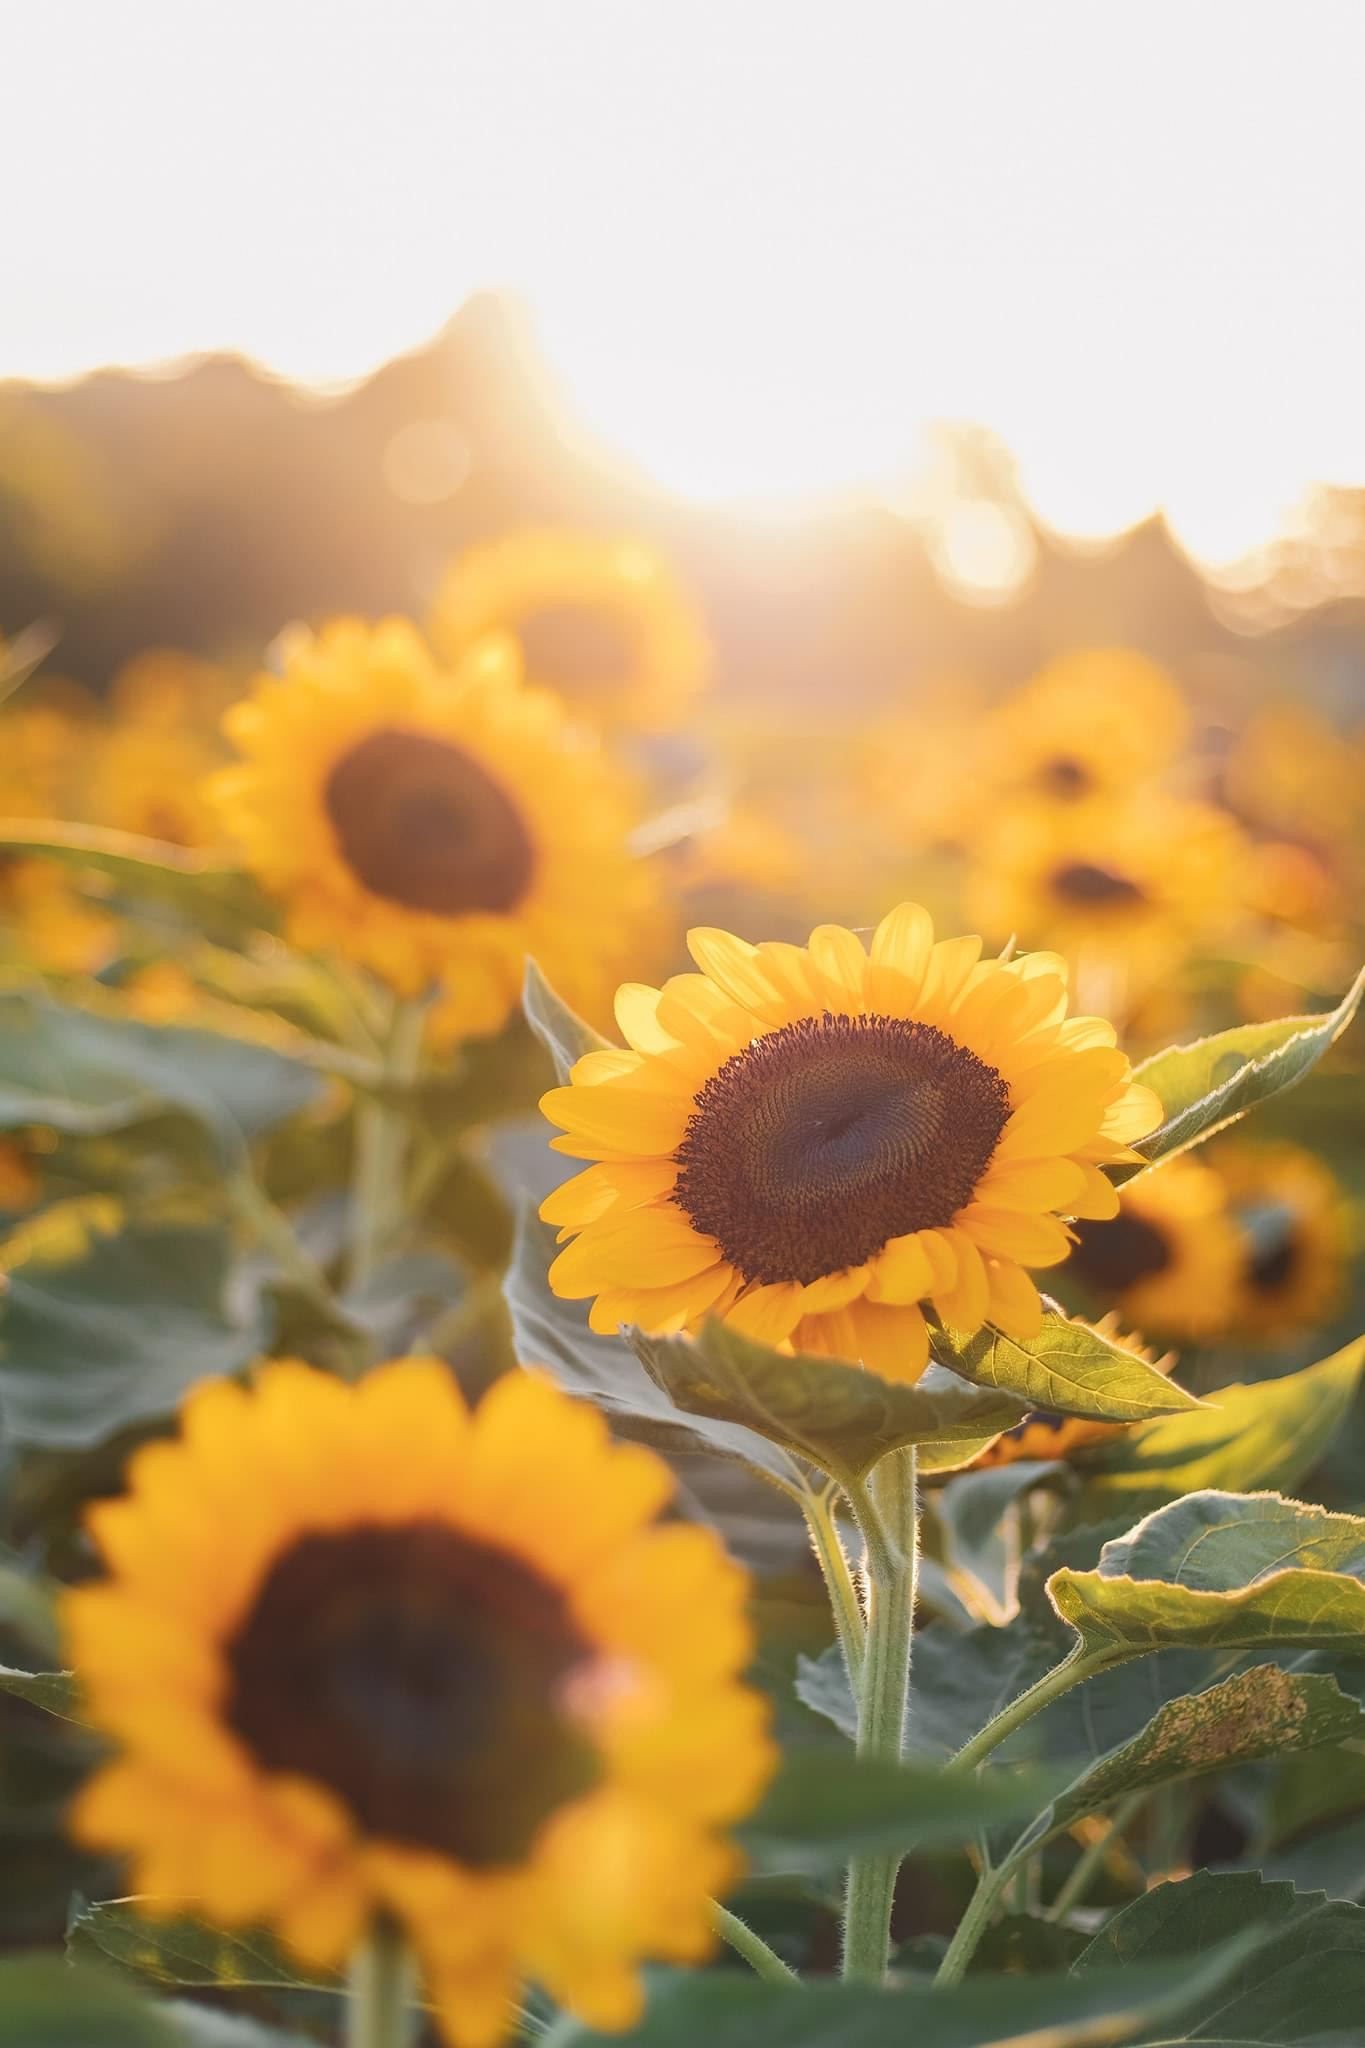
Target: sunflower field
[(680, 1320)]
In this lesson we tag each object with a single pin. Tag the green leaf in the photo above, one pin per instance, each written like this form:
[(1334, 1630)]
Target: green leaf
[(119, 1335), (182, 1951), (840, 1417), (726, 2010), (1222, 1571), (565, 1036), (980, 1535), (217, 900), (56, 1692), (1265, 1435), (1068, 1368), (827, 1805), (82, 1072), (1303, 1978), (1262, 1712), (1209, 1084), (44, 2003), (201, 2026)]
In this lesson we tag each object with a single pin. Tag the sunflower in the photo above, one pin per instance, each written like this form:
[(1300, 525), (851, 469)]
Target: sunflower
[(1045, 1436), (365, 1655), (436, 828), (601, 620), (1296, 1229), (1294, 774), (1125, 888), (810, 1142), (152, 780), (19, 1184), (1171, 1259), (1095, 721)]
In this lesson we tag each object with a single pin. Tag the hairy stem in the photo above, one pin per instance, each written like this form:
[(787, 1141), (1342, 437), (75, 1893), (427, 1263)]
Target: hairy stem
[(843, 1594), (751, 1946), (1074, 1668)]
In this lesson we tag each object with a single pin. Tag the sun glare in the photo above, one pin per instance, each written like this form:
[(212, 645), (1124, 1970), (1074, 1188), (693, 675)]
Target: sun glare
[(1112, 236)]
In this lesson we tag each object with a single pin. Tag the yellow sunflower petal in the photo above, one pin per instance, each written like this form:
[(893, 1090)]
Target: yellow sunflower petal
[(1013, 1234), (964, 1304), (1014, 1305)]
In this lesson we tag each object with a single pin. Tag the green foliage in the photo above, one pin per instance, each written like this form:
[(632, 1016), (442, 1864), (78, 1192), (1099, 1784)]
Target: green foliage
[(1067, 1368), (183, 1952), (46, 2004), (217, 901), (56, 1692), (563, 1034)]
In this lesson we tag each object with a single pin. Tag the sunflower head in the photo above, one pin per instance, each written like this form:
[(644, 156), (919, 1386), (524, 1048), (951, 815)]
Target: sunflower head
[(601, 621), (1169, 1260), (1094, 722), (436, 828), (1296, 1230), (440, 1667), (811, 1142)]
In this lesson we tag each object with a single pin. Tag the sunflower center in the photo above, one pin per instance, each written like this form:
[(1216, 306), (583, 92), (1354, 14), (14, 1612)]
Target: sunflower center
[(1274, 1247), (1114, 1255), (815, 1145), (421, 823), (424, 1678), (577, 646), (1091, 887), (1063, 777)]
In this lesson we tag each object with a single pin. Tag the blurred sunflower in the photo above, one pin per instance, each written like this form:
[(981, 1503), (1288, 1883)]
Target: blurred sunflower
[(1296, 1230), (1123, 889), (1095, 721), (810, 1142), (46, 923), (923, 768), (1043, 1435), (364, 1654), (1171, 1259), (1291, 772), (602, 621), (19, 1184), (436, 828)]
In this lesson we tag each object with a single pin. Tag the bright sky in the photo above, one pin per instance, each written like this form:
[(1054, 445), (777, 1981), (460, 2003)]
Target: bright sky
[(764, 242)]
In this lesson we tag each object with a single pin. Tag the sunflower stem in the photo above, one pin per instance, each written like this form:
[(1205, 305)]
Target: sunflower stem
[(850, 1628), (379, 2014), (970, 1928), (1078, 1665), (755, 1951), (891, 1536), (381, 1143)]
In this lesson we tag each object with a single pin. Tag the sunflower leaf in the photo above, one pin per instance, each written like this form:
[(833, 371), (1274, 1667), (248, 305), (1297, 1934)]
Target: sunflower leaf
[(183, 1951), (727, 2010), (564, 1035), (1265, 1435), (842, 1418), (44, 2003), (1068, 1369), (218, 900), (1209, 1084), (1222, 1571), (56, 1692), (1304, 1979)]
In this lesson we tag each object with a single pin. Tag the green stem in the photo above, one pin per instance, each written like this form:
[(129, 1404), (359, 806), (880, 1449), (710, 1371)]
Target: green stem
[(891, 1533), (379, 2014), (381, 1139), (274, 1230), (751, 1946), (1074, 1668), (972, 1925), (818, 1509), (1079, 1877)]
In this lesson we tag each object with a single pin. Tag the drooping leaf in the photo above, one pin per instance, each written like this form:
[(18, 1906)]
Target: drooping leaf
[(840, 1417), (183, 1951), (83, 1072), (56, 1692), (565, 1035), (1222, 1571), (1302, 1979), (1209, 1084), (1068, 1368), (217, 900), (1265, 1435), (44, 2003), (118, 1335), (828, 1804), (727, 2010)]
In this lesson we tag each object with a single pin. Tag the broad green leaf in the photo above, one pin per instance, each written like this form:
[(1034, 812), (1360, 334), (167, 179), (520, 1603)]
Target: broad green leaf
[(1262, 1712), (1330, 1860), (978, 1531), (554, 1335), (1068, 1368), (1209, 1084), (1266, 1435), (1222, 1571), (726, 2010), (1303, 1979), (822, 1685), (83, 1072), (182, 1951), (840, 1417), (217, 900), (828, 1804), (202, 2026), (120, 1334), (44, 2003), (565, 1036), (56, 1692)]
